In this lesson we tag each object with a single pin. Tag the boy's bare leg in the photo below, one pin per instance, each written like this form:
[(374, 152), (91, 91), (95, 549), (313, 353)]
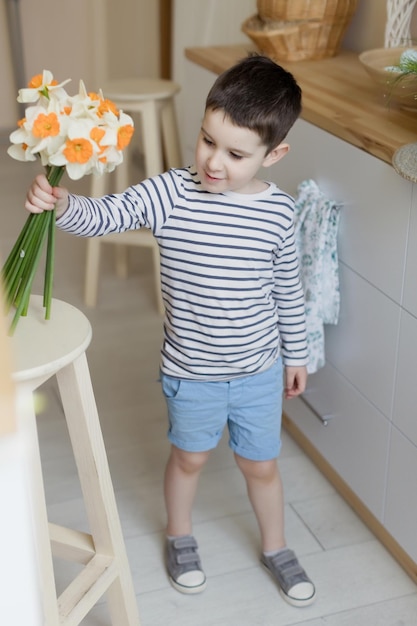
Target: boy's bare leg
[(181, 479), (265, 493)]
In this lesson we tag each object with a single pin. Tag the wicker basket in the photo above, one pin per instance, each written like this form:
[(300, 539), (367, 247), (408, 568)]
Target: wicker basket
[(293, 10), (296, 41)]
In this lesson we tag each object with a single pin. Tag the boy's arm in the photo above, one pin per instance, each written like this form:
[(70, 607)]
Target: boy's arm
[(42, 197), (295, 381)]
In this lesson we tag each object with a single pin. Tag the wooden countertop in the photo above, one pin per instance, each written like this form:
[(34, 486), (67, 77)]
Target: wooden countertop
[(338, 96)]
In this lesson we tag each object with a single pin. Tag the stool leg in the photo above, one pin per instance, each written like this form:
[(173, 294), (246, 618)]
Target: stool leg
[(121, 251), (92, 265), (87, 443), (171, 140), (121, 254), (43, 544), (157, 278), (151, 138), (98, 189)]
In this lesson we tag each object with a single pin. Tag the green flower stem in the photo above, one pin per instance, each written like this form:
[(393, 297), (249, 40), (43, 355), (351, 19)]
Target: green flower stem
[(24, 296), (15, 252), (54, 177), (35, 241), (14, 275), (49, 267), (20, 267)]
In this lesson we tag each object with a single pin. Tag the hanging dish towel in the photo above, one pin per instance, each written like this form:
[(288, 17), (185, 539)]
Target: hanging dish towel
[(316, 226)]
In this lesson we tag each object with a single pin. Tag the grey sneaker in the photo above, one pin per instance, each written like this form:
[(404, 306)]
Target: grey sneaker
[(294, 584), (184, 566)]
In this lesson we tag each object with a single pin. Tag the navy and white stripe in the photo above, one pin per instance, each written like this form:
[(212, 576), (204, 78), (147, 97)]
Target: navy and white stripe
[(229, 271)]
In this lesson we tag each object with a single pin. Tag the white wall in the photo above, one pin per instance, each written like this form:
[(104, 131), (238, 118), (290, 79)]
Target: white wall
[(88, 39), (204, 23)]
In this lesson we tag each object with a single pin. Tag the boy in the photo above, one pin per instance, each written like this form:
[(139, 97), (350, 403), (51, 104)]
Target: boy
[(234, 304)]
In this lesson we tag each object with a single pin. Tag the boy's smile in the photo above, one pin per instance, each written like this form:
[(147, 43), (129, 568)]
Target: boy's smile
[(228, 157)]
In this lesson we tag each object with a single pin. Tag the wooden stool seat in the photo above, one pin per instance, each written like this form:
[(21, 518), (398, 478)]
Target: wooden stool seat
[(56, 347), (153, 99)]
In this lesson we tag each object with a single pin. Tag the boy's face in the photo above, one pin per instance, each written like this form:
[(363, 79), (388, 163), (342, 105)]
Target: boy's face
[(228, 157)]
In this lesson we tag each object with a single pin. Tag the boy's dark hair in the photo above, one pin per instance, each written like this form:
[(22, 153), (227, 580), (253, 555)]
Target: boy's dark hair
[(258, 94)]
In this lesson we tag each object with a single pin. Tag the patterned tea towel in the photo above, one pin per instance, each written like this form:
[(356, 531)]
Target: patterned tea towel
[(316, 226)]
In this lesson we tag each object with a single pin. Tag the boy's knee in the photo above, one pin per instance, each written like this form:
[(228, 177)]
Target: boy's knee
[(258, 470), (189, 462)]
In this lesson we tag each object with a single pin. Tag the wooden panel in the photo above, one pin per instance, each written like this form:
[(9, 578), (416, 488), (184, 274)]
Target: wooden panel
[(165, 37)]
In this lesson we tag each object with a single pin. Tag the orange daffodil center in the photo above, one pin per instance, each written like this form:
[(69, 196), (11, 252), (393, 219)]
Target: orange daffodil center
[(85, 133), (36, 82), (105, 105), (78, 150), (124, 136), (46, 125)]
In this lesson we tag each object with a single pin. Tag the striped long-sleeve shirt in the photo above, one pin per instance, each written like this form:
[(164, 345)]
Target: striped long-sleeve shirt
[(229, 271)]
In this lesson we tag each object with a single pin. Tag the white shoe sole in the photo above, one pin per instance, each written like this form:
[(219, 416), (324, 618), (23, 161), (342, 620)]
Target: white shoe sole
[(188, 590)]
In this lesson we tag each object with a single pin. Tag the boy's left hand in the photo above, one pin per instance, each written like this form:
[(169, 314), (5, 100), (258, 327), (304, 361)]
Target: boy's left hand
[(295, 381)]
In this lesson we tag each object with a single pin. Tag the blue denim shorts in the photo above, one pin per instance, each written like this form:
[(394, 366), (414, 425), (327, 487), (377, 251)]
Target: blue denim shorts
[(250, 406)]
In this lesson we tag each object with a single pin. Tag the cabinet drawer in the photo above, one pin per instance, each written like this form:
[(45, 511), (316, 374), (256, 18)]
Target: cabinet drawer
[(355, 441), (405, 401), (363, 345), (401, 504), (410, 284), (374, 220)]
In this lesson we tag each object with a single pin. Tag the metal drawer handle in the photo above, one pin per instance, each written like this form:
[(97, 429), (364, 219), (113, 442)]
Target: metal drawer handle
[(324, 419)]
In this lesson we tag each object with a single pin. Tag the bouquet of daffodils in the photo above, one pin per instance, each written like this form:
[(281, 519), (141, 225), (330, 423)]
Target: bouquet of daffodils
[(81, 134)]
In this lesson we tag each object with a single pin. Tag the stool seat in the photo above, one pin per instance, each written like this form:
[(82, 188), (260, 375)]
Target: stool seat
[(139, 89), (153, 99), (44, 348)]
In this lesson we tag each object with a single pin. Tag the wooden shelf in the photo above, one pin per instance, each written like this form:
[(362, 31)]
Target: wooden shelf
[(338, 96)]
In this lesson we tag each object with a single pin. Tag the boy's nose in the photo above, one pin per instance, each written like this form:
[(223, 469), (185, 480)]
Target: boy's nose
[(214, 162)]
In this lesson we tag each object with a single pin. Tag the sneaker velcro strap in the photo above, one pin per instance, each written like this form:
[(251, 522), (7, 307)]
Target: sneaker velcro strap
[(288, 567), (187, 557), (184, 542), (186, 550)]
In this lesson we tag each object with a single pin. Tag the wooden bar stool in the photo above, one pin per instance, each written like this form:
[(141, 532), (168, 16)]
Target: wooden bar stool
[(43, 349), (153, 99)]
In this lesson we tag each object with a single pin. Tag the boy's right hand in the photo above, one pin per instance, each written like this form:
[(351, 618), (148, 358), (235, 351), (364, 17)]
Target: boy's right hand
[(42, 197)]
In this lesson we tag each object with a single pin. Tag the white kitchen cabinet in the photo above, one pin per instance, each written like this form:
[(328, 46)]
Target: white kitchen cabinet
[(410, 286), (405, 401), (367, 391), (376, 202), (355, 442), (363, 345)]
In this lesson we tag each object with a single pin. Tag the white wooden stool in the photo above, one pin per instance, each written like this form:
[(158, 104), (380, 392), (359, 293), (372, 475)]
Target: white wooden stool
[(153, 99), (43, 349)]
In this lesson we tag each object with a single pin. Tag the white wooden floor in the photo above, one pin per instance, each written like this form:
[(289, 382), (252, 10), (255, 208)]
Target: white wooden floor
[(358, 583)]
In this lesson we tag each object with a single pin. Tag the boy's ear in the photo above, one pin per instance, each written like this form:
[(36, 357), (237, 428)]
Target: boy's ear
[(276, 154)]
